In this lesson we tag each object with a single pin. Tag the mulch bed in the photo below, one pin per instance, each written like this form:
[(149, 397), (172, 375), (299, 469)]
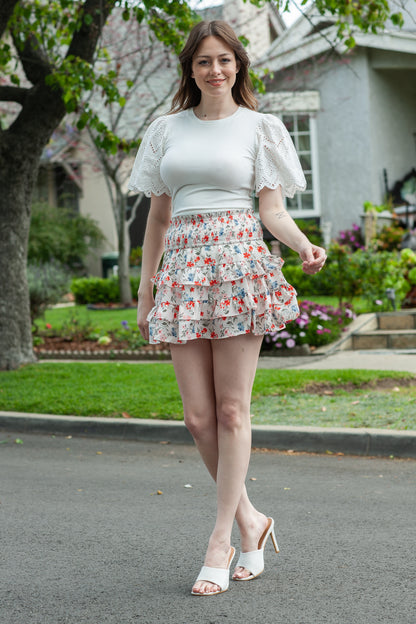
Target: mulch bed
[(54, 347)]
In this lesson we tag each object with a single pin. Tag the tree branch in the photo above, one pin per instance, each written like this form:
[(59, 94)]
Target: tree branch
[(6, 11), (84, 41), (34, 60), (13, 94)]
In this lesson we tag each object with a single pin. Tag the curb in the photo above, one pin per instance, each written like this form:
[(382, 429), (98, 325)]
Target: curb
[(379, 442)]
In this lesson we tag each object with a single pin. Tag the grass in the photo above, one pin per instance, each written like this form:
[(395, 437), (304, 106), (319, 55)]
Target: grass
[(280, 397), (105, 320)]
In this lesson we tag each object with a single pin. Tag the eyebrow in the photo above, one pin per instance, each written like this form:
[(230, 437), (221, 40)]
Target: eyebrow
[(208, 56)]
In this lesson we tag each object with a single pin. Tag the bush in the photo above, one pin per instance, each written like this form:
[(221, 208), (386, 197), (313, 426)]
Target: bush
[(48, 282), (316, 325), (352, 238), (57, 234), (90, 290), (389, 238)]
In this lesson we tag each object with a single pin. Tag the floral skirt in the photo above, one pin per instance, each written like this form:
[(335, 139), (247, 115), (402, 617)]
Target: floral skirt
[(218, 279)]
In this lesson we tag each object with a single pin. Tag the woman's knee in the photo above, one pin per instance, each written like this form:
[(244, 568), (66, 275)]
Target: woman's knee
[(231, 414), (199, 424)]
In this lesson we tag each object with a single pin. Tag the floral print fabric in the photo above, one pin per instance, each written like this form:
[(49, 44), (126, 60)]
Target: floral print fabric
[(218, 280)]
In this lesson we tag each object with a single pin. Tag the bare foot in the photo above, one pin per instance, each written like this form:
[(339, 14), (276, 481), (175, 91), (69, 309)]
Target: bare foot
[(250, 537), (217, 556)]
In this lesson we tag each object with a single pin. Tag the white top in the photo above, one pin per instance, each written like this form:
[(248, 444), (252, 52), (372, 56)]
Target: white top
[(206, 166)]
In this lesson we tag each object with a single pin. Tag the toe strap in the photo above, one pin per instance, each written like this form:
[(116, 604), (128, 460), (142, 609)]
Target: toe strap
[(252, 561), (219, 576)]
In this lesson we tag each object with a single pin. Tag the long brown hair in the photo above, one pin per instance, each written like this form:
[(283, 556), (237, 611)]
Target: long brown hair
[(188, 94)]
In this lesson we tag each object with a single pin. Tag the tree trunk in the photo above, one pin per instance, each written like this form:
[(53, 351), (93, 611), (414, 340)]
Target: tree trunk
[(16, 183), (123, 253)]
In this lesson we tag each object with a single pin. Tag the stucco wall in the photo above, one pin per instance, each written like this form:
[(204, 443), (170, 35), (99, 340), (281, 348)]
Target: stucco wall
[(393, 126), (95, 203), (344, 142), (365, 124)]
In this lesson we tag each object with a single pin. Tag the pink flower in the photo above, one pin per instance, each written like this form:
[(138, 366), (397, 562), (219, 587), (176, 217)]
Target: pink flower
[(290, 343)]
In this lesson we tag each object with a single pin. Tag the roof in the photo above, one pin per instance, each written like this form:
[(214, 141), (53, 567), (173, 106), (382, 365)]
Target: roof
[(313, 34)]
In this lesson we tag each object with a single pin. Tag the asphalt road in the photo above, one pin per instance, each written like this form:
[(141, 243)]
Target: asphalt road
[(86, 538)]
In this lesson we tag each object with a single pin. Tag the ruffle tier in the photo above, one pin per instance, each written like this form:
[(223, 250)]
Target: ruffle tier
[(223, 287)]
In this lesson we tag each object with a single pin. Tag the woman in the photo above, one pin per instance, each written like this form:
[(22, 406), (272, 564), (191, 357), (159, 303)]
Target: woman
[(219, 290)]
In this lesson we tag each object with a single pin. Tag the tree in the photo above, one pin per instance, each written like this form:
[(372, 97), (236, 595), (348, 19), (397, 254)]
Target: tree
[(55, 45), (50, 54)]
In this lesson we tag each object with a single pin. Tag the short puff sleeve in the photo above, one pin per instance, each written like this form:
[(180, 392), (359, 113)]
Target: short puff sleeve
[(145, 176), (277, 162)]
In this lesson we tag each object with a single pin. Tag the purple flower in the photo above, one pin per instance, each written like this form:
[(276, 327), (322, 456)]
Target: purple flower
[(379, 302), (125, 324), (284, 334), (290, 343)]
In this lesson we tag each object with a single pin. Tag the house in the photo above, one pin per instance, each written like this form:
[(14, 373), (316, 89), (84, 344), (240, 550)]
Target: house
[(352, 113)]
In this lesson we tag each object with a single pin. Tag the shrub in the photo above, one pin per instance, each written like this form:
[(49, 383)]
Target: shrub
[(57, 234), (316, 325), (353, 239), (90, 290), (389, 238), (48, 282)]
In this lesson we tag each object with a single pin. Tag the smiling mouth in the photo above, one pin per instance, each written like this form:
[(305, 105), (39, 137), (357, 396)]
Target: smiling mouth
[(215, 83)]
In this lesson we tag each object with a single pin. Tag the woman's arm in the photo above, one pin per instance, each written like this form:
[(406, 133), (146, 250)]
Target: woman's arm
[(153, 247), (279, 223)]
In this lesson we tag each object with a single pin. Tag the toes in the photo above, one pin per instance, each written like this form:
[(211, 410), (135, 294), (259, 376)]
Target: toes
[(205, 588), (241, 573)]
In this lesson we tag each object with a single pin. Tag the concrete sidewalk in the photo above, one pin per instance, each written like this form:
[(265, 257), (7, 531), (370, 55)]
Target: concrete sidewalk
[(383, 442)]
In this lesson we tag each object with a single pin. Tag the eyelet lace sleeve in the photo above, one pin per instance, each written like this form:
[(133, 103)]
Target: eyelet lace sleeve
[(145, 175), (277, 162)]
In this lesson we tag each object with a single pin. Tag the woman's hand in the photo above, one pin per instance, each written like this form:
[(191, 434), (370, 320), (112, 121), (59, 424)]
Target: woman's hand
[(144, 305), (313, 258)]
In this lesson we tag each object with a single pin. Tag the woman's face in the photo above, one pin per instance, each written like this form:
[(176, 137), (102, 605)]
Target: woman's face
[(214, 67)]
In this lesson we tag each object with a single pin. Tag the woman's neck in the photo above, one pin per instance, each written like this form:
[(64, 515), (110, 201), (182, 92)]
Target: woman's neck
[(209, 109)]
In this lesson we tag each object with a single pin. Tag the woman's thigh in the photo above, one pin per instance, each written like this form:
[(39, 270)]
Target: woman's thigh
[(192, 362), (234, 365)]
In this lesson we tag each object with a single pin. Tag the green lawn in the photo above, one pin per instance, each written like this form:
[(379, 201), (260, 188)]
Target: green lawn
[(105, 320), (150, 391)]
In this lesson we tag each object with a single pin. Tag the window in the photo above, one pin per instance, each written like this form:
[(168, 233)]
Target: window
[(301, 128)]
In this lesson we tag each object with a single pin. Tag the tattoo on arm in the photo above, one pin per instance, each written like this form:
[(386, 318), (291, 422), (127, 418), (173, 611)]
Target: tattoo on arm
[(282, 214)]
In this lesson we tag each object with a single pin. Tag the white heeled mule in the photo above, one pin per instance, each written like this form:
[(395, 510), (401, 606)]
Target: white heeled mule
[(253, 561), (219, 576)]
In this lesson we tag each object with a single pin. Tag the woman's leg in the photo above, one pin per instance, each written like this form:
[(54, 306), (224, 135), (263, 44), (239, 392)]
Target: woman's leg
[(215, 380)]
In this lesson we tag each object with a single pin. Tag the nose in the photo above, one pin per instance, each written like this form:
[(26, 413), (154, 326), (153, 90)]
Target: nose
[(215, 68)]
